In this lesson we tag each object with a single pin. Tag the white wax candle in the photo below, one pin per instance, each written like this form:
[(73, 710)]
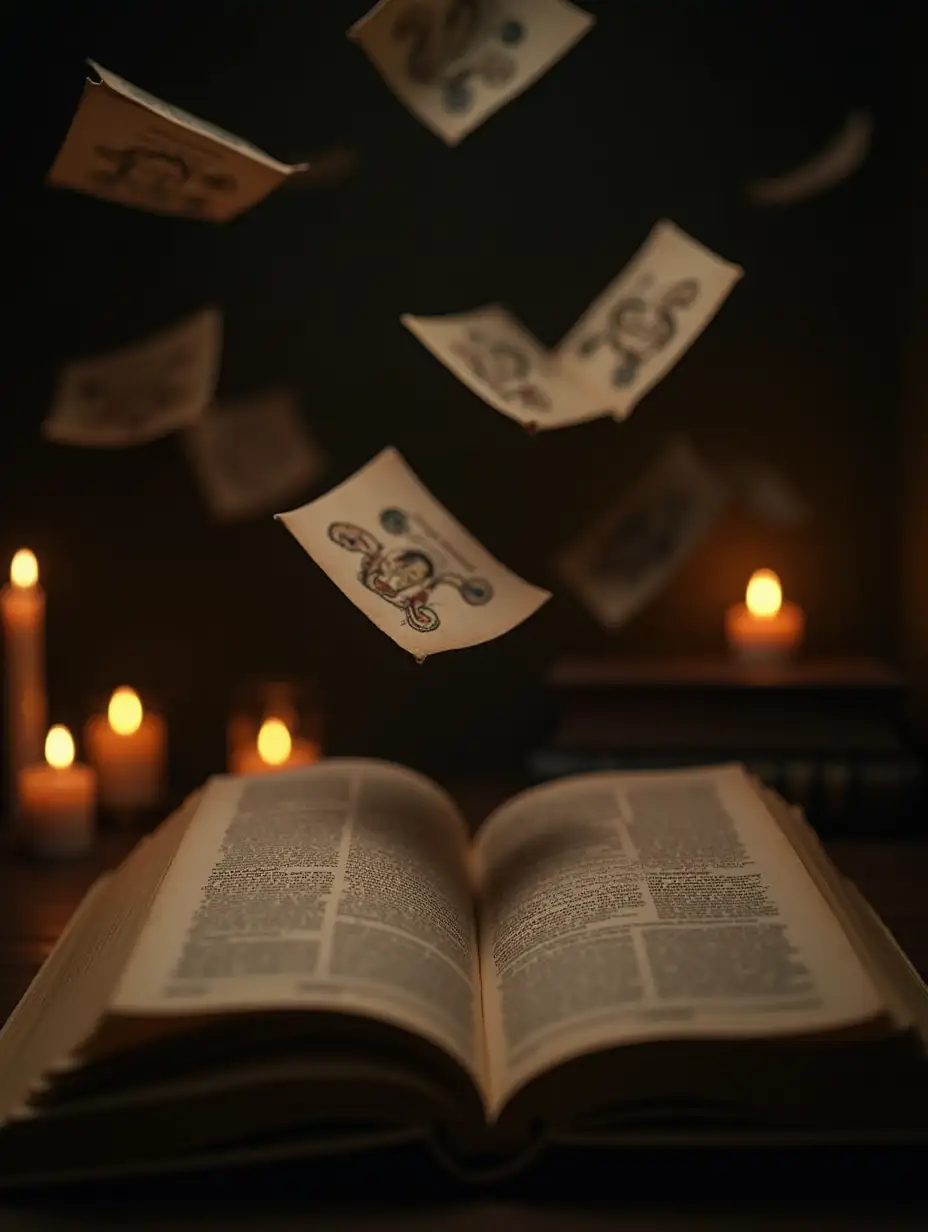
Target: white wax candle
[(127, 748), (22, 610), (58, 800), (274, 749)]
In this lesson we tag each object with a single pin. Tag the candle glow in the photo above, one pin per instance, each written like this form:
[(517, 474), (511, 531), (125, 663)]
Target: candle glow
[(124, 712), (764, 594), (24, 569), (764, 628), (58, 799), (59, 747), (274, 742)]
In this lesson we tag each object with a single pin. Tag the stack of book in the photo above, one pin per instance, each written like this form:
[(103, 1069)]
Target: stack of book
[(828, 736)]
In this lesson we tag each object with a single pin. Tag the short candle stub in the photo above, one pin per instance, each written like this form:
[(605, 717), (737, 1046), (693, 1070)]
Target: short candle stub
[(764, 630)]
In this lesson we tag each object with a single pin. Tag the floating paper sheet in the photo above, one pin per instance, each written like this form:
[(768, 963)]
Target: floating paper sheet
[(454, 62), (621, 563), (840, 158), (252, 455), (623, 345), (502, 363), (126, 145), (413, 570), (141, 392)]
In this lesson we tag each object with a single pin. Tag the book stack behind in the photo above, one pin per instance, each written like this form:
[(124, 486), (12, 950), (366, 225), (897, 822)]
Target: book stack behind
[(830, 737)]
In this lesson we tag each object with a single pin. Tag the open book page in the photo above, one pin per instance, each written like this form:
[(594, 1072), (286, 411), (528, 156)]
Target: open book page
[(345, 887), (875, 946), (624, 907), (70, 993)]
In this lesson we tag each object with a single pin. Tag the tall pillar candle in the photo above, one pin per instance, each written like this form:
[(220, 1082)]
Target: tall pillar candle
[(22, 609)]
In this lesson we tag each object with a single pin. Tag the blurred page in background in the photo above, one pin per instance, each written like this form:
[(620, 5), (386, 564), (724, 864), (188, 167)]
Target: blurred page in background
[(251, 455), (627, 556), (142, 391)]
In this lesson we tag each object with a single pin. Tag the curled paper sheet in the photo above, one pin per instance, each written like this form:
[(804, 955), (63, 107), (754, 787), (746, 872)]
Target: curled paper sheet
[(399, 556), (496, 357), (452, 63), (625, 342), (628, 555), (251, 455), (840, 158), (126, 145), (141, 392)]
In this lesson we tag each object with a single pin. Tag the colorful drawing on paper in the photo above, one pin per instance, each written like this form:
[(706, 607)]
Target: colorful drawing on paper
[(406, 576)]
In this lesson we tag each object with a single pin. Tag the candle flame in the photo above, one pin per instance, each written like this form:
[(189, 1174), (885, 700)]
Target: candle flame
[(125, 712), (274, 743), (24, 569), (764, 595), (59, 747)]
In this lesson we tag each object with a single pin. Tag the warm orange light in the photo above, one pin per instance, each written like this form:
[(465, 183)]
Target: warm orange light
[(125, 712), (24, 569), (59, 747), (274, 742), (764, 595)]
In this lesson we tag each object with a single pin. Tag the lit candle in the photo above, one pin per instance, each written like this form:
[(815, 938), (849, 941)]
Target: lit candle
[(58, 800), (127, 748), (764, 629), (274, 749), (22, 608)]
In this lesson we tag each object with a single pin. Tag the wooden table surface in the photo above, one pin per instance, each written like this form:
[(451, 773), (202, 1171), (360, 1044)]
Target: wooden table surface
[(37, 899)]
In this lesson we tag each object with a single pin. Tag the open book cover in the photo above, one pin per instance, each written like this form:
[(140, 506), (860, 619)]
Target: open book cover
[(326, 960)]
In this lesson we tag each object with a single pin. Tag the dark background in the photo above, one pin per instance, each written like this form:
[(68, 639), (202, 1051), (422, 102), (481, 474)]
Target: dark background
[(662, 110)]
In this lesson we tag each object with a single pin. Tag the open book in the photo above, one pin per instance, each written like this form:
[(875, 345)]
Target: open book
[(325, 960)]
